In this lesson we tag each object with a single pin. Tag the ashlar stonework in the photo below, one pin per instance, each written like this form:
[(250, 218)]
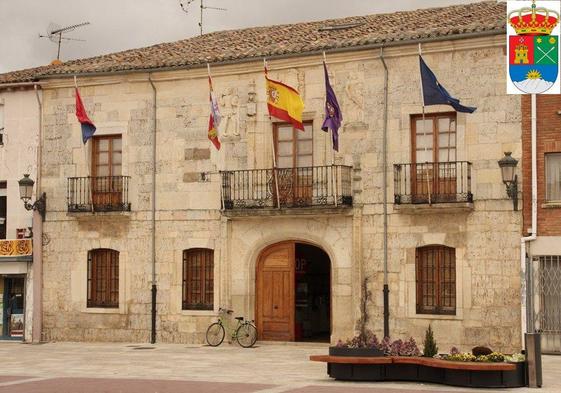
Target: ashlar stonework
[(485, 234)]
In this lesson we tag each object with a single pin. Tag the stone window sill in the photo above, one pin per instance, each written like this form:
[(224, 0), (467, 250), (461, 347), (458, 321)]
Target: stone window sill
[(551, 205), (439, 317), (199, 313), (102, 310)]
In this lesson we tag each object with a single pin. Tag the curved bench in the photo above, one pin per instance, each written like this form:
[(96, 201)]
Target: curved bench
[(420, 369)]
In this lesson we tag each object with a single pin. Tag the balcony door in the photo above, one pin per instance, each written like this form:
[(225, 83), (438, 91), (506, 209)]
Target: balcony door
[(294, 155), (434, 168), (107, 182)]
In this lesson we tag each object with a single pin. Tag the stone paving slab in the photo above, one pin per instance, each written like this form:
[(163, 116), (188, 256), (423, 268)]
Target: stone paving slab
[(338, 389), (10, 378), (98, 385)]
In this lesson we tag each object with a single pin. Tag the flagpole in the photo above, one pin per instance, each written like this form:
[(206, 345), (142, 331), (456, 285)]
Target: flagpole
[(220, 163), (330, 135), (274, 151), (423, 101)]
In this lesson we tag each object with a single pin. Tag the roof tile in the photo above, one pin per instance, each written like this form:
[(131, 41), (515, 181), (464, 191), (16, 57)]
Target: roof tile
[(287, 39)]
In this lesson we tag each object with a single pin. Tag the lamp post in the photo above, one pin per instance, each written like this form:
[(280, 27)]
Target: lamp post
[(26, 191), (510, 179)]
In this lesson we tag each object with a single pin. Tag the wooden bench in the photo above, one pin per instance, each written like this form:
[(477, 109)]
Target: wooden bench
[(429, 362), (421, 369)]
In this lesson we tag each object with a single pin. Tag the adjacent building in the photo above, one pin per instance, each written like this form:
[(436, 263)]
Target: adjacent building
[(150, 203), (19, 138), (544, 253)]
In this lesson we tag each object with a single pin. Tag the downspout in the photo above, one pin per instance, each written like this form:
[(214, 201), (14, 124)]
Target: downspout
[(526, 314), (385, 180), (154, 287), (37, 227)]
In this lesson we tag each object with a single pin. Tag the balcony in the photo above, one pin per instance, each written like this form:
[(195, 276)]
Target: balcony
[(98, 194), (433, 183), (287, 188)]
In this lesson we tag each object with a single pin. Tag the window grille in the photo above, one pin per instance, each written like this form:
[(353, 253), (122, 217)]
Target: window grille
[(103, 278), (198, 279), (436, 280)]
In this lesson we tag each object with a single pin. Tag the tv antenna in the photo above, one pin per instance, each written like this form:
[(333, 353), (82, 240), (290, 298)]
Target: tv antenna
[(55, 34), (202, 7)]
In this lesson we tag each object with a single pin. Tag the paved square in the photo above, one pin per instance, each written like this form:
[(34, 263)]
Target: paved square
[(171, 368)]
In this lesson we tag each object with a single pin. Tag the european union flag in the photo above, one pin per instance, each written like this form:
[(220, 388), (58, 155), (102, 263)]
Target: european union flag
[(435, 94)]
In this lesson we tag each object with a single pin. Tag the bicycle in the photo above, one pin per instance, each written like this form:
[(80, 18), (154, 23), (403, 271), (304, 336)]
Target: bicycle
[(245, 332)]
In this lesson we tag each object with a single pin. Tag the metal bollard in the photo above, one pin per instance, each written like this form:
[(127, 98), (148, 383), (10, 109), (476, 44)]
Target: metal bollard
[(534, 359)]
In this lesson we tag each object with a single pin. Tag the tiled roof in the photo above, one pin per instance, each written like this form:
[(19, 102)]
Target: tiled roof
[(279, 40)]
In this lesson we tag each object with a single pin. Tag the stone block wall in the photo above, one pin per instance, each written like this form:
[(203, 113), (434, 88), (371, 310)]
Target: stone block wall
[(485, 235)]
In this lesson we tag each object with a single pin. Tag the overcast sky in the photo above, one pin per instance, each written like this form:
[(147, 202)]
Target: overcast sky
[(124, 24)]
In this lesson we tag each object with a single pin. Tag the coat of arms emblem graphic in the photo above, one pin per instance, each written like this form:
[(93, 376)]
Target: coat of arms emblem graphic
[(533, 51)]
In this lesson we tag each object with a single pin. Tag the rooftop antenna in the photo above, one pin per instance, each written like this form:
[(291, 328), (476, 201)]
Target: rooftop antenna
[(55, 32), (203, 7)]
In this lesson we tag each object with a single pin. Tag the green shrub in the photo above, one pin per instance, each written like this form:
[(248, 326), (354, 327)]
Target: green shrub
[(430, 349)]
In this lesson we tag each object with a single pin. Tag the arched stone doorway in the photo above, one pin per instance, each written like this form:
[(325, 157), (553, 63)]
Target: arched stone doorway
[(293, 293)]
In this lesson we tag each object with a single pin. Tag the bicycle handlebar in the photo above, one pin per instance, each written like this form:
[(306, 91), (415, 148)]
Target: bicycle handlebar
[(228, 311)]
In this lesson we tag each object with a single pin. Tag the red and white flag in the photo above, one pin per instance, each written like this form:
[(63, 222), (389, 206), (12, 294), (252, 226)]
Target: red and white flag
[(214, 119)]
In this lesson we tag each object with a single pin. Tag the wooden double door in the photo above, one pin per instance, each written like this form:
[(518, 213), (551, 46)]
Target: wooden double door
[(434, 169), (275, 293), (282, 297), (107, 182), (295, 173)]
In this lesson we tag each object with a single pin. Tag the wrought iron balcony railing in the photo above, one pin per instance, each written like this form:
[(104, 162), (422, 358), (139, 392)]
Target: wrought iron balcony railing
[(432, 182), (98, 194), (317, 186)]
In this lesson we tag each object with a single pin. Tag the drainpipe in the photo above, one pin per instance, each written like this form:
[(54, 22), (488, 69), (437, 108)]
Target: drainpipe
[(37, 227), (154, 287), (526, 314), (385, 180)]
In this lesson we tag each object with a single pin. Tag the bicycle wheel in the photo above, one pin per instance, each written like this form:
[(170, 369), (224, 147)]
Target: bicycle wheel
[(215, 334), (246, 335)]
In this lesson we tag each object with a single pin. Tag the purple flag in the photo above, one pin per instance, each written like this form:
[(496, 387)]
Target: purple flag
[(333, 115)]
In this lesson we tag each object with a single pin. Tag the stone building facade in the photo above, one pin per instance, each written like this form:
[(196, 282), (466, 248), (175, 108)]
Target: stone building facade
[(450, 226)]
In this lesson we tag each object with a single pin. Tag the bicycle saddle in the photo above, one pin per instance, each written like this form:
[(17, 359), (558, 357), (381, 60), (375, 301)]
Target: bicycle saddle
[(239, 318)]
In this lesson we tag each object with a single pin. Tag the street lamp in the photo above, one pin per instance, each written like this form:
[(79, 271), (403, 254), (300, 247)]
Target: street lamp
[(25, 192), (510, 179)]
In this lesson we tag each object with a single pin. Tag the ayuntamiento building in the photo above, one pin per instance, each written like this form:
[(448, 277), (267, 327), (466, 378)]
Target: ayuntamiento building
[(289, 248)]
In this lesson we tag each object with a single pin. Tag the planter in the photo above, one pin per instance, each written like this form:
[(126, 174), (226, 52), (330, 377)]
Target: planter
[(417, 369), (355, 352)]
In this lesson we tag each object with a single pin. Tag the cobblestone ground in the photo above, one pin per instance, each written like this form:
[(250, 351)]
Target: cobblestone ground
[(175, 368)]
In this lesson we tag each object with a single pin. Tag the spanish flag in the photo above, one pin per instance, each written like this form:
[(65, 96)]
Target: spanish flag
[(284, 102)]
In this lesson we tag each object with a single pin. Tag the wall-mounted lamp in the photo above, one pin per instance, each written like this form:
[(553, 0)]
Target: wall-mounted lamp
[(510, 179), (26, 191)]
